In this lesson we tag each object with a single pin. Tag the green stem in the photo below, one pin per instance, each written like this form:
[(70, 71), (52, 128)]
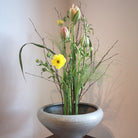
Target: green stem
[(65, 104), (70, 102), (73, 35), (76, 103), (74, 72)]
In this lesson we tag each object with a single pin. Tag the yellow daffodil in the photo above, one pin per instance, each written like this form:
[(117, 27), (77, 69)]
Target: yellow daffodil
[(58, 61), (60, 22)]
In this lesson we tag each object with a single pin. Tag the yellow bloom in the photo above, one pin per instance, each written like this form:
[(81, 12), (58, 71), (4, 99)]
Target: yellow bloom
[(60, 22), (58, 61)]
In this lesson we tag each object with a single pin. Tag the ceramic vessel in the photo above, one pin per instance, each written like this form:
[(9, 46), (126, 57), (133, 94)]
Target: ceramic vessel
[(70, 126)]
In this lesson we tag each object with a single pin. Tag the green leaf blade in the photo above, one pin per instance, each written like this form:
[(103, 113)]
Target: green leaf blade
[(20, 53)]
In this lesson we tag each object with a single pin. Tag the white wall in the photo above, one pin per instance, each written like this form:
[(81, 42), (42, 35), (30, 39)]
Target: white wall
[(20, 100), (15, 99)]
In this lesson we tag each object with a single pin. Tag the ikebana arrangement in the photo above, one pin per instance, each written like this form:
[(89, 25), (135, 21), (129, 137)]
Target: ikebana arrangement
[(74, 69)]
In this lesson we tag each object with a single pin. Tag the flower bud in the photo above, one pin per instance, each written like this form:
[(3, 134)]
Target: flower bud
[(87, 41), (37, 60), (74, 14), (49, 55), (64, 33), (91, 48)]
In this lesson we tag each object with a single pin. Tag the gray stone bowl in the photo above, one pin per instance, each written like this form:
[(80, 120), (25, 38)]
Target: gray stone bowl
[(70, 126)]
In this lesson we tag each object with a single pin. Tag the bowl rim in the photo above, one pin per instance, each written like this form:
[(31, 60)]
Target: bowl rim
[(98, 109)]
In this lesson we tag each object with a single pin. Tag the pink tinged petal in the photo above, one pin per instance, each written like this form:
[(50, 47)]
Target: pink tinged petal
[(64, 32)]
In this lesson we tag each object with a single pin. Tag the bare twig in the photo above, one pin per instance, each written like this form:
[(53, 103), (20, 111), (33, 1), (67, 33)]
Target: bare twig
[(82, 94), (105, 55), (60, 91), (58, 13), (110, 57), (97, 46), (36, 30), (39, 77), (79, 5), (94, 53), (42, 38)]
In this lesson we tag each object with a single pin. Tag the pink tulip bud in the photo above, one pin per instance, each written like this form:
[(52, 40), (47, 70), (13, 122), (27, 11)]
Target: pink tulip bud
[(64, 32), (74, 14)]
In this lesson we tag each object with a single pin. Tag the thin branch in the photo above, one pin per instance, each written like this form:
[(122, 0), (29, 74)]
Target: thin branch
[(80, 95), (110, 57), (79, 5), (42, 38), (97, 46), (57, 77), (94, 53), (95, 81), (36, 30), (58, 13), (105, 55), (103, 60), (39, 77), (59, 89)]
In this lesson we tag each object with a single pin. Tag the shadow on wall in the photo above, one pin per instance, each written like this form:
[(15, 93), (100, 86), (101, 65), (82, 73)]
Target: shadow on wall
[(110, 100)]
